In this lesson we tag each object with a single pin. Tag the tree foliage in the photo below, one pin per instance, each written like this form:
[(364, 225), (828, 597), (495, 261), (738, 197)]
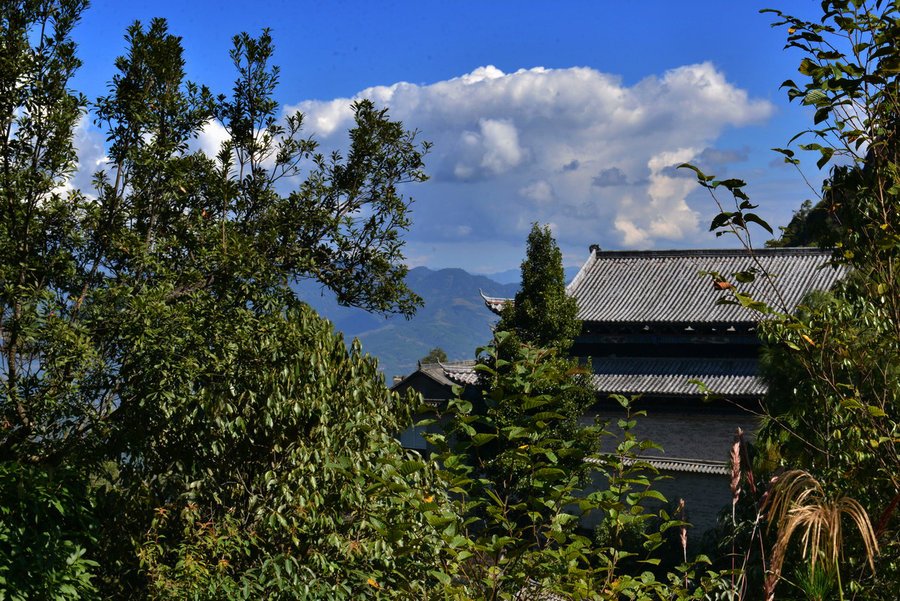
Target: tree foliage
[(46, 529), (153, 352), (512, 533), (811, 225), (543, 315), (435, 355), (291, 482), (173, 238), (833, 363)]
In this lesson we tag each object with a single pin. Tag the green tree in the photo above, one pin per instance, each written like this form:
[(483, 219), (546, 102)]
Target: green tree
[(833, 409), (294, 484), (502, 541), (45, 513), (810, 226), (168, 230), (153, 352), (542, 315), (435, 355)]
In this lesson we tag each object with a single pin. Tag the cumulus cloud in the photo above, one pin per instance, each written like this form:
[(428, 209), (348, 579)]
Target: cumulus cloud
[(665, 215), (575, 146), (492, 150), (91, 157), (211, 138)]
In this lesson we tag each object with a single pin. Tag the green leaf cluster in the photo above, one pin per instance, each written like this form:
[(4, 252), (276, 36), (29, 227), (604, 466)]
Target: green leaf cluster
[(46, 528), (832, 364), (514, 530), (286, 480), (161, 384)]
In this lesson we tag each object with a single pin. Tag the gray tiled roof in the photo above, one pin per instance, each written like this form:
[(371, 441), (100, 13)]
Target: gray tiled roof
[(451, 372), (677, 464), (672, 376), (716, 468), (461, 372), (640, 375), (665, 286)]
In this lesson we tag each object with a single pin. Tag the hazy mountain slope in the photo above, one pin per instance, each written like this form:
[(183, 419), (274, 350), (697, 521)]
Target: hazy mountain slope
[(514, 276), (454, 318)]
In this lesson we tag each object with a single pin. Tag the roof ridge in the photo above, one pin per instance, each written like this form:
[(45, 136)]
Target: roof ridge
[(585, 267), (712, 252), (457, 364)]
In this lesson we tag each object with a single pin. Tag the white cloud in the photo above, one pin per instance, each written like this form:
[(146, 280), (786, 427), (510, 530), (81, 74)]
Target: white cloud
[(542, 144), (539, 191), (492, 150), (211, 138), (91, 153), (328, 116), (667, 215), (501, 145), (632, 236), (575, 146)]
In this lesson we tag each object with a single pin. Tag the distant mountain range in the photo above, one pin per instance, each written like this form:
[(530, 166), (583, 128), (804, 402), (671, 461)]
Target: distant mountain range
[(513, 276), (454, 318)]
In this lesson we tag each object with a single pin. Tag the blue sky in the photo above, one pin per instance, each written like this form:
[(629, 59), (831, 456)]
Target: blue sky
[(570, 113)]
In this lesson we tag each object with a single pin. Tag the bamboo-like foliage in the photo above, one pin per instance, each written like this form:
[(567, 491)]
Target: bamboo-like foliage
[(799, 502)]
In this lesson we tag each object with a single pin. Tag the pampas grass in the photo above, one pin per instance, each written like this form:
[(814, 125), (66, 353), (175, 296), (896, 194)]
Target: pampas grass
[(798, 502)]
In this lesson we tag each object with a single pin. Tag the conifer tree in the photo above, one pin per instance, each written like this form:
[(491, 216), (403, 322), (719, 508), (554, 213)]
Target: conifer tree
[(541, 320), (543, 314)]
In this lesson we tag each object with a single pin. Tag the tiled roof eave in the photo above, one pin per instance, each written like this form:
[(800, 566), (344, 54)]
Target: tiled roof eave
[(495, 304), (740, 325), (673, 464), (737, 396), (712, 252), (461, 372)]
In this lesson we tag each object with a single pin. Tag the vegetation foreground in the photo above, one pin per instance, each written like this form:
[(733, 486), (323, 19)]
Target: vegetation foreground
[(175, 424)]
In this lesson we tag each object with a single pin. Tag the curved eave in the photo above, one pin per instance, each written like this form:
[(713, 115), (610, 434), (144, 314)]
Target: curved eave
[(496, 304)]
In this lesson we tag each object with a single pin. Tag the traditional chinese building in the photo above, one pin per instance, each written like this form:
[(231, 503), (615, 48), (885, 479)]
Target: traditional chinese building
[(435, 381), (655, 326)]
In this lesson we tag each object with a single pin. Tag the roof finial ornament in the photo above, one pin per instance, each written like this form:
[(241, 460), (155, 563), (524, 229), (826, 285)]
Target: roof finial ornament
[(594, 248)]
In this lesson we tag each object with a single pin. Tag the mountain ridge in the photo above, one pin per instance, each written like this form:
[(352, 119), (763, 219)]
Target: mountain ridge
[(454, 318)]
